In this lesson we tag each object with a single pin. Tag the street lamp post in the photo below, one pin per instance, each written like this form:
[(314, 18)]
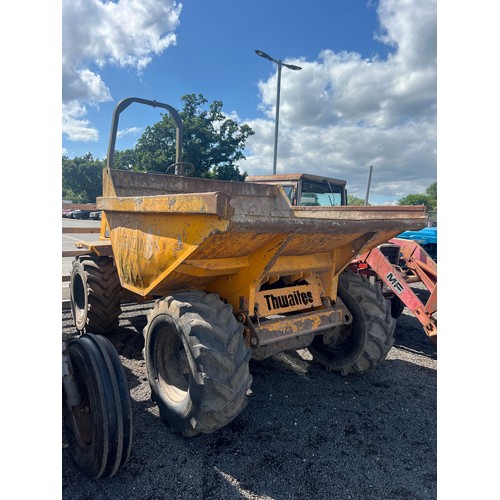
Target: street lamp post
[(369, 184), (280, 63)]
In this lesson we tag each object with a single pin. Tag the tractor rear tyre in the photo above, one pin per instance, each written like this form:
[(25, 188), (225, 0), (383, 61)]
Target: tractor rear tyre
[(95, 293), (197, 362), (99, 430), (397, 307), (364, 343)]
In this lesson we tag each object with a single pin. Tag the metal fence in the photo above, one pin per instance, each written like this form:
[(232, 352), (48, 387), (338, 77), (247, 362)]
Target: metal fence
[(432, 219)]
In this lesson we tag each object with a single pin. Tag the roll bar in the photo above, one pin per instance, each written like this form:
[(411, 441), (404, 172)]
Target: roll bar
[(124, 104)]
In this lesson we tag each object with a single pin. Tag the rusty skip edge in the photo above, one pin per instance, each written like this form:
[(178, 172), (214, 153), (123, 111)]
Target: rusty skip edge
[(248, 212), (214, 203)]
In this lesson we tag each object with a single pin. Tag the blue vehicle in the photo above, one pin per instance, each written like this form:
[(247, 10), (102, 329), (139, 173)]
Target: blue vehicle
[(426, 238)]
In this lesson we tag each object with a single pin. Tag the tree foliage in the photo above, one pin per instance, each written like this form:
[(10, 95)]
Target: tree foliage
[(82, 178), (212, 142), (429, 198), (354, 200)]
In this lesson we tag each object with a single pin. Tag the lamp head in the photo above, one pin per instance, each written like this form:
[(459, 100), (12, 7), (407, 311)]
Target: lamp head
[(265, 56), (292, 66)]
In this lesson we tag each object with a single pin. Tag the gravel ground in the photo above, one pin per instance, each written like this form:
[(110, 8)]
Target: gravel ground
[(305, 433)]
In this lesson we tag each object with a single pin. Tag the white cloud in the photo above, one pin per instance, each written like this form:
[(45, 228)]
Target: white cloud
[(74, 125), (96, 33), (342, 113), (128, 131)]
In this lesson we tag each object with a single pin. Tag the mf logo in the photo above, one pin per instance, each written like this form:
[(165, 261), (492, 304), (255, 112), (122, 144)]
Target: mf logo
[(395, 283)]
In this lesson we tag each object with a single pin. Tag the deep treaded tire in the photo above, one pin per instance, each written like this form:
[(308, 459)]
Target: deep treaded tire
[(99, 431), (197, 362), (95, 293), (397, 307), (364, 343)]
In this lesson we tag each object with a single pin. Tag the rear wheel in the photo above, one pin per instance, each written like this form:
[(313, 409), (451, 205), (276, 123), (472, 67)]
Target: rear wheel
[(95, 293), (197, 362), (364, 343), (397, 307), (99, 429)]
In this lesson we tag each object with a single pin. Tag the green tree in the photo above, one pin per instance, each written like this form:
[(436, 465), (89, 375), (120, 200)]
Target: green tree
[(431, 191), (353, 200), (125, 160), (82, 178), (429, 198), (212, 142)]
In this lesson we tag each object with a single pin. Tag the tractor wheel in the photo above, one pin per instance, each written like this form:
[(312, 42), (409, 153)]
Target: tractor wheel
[(364, 343), (397, 307), (95, 293), (99, 430), (197, 362)]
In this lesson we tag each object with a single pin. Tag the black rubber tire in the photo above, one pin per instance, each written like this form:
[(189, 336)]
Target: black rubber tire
[(366, 342), (197, 362), (397, 307), (99, 438), (95, 293)]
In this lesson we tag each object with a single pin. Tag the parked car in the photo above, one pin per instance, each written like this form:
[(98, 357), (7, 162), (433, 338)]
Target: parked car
[(80, 214), (66, 212), (96, 215)]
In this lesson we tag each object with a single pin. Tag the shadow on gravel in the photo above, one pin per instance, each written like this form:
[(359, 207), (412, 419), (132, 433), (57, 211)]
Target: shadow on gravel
[(127, 338), (128, 342), (410, 336)]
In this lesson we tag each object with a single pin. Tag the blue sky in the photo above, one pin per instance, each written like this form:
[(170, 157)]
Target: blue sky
[(366, 94)]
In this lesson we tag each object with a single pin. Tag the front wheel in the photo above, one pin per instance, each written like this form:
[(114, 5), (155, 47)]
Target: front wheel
[(99, 429), (365, 343), (197, 362)]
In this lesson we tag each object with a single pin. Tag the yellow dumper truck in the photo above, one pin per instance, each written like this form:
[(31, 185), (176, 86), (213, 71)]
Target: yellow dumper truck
[(237, 270)]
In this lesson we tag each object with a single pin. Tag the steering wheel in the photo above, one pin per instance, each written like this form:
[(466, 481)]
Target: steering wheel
[(187, 168)]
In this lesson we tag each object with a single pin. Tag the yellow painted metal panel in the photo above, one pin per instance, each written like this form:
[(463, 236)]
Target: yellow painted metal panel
[(198, 203), (288, 299), (148, 247), (239, 289), (290, 264), (213, 267)]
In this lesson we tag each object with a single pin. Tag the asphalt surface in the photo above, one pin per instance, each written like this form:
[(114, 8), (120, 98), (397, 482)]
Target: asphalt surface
[(305, 433), (68, 244)]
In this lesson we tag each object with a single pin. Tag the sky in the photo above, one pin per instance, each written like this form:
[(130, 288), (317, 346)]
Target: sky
[(366, 94)]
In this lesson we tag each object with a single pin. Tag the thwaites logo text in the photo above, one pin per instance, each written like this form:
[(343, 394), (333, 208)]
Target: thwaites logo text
[(288, 299), (295, 298)]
